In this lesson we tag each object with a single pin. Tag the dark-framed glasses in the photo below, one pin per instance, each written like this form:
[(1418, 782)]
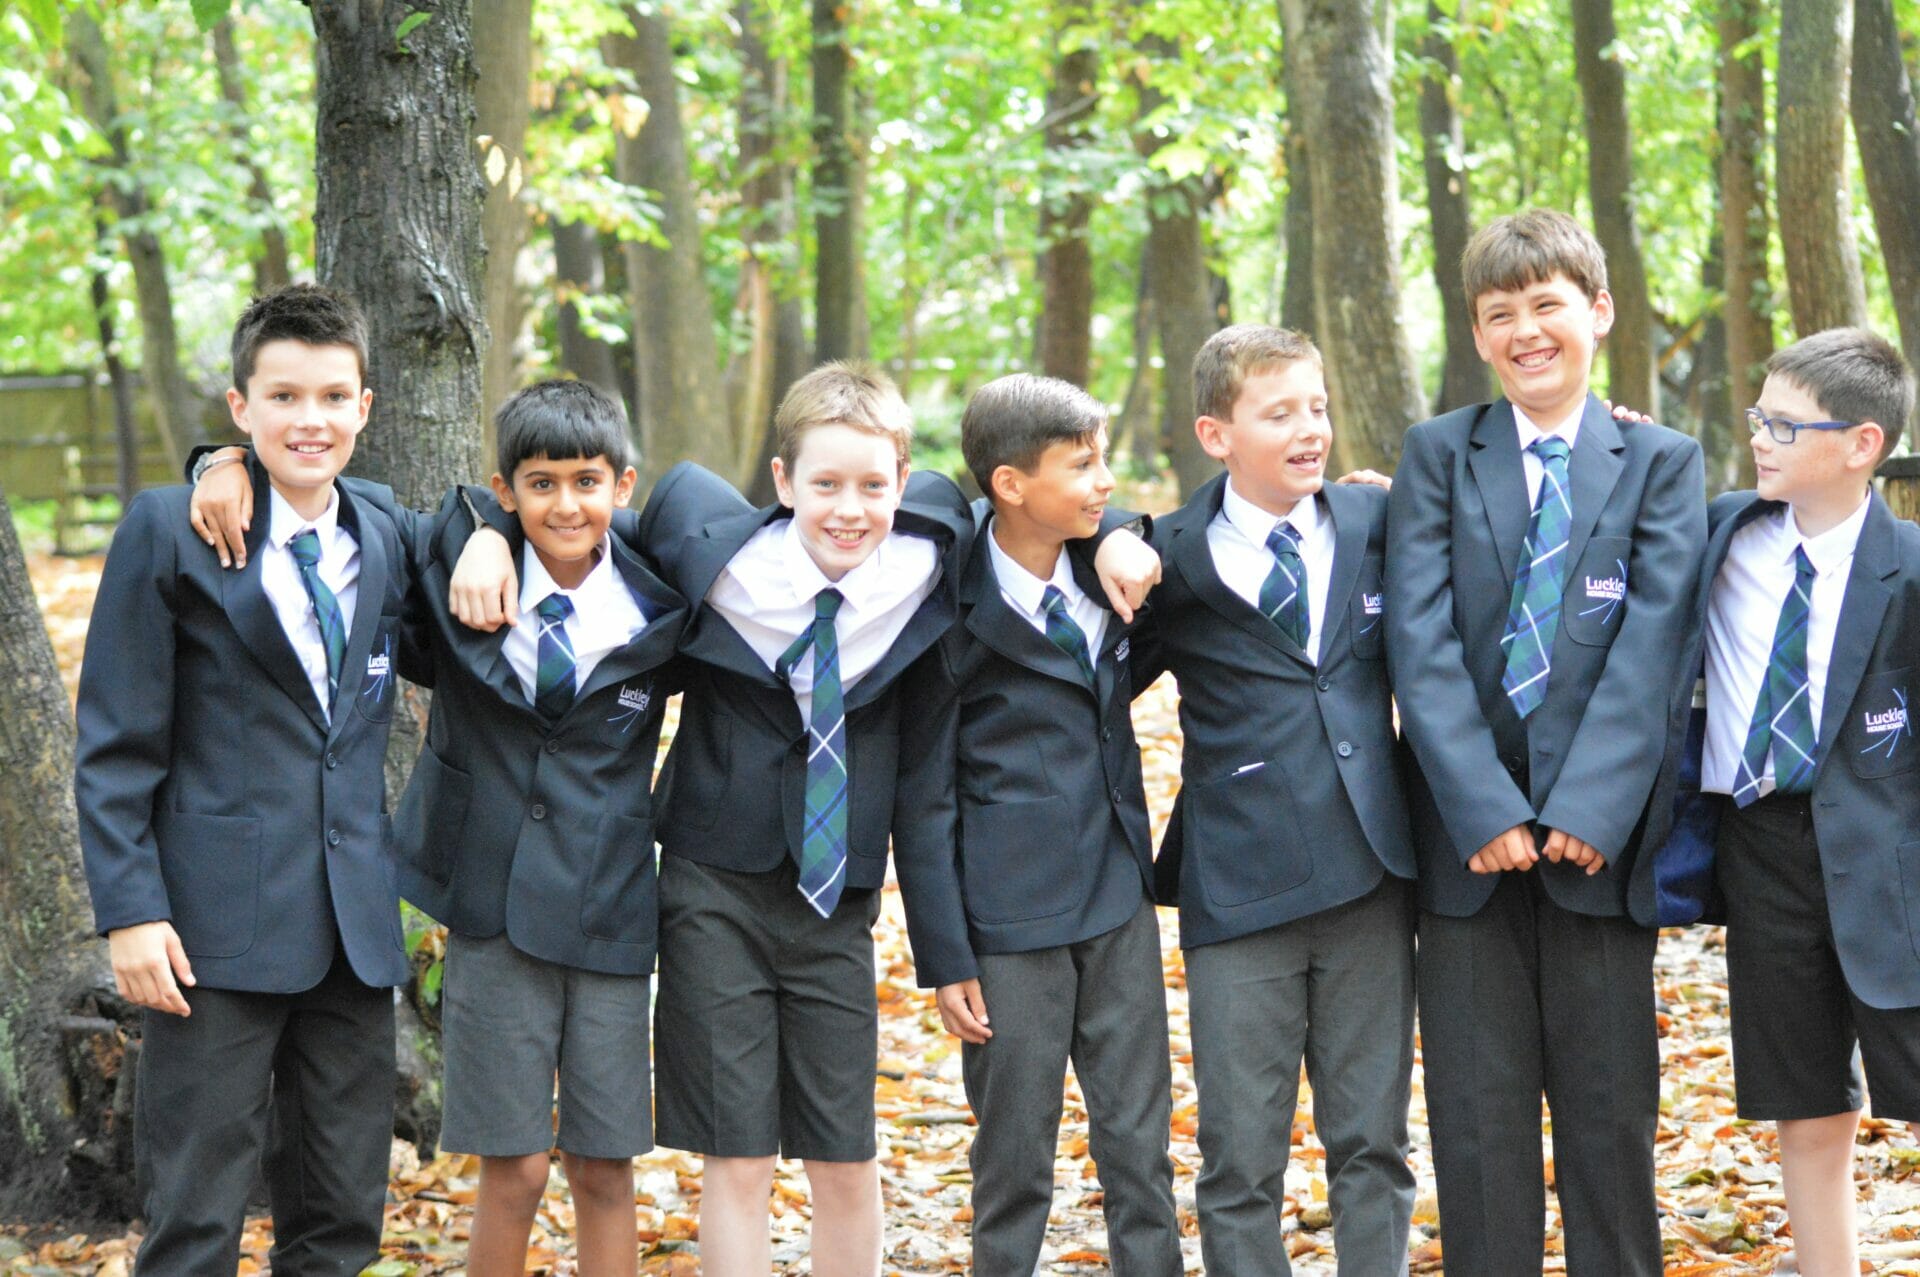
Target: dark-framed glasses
[(1783, 431)]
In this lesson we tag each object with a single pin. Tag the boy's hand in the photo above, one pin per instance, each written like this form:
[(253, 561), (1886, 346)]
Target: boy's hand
[(1128, 568), (1511, 850), (146, 960), (485, 591), (964, 1011), (1562, 845), (222, 508), (1623, 413), (1373, 477)]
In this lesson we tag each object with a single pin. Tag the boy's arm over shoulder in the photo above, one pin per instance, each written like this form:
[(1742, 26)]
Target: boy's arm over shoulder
[(1616, 752), (685, 500), (926, 824), (1439, 707)]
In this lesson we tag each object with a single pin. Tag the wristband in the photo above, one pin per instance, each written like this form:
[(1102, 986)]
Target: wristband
[(212, 461)]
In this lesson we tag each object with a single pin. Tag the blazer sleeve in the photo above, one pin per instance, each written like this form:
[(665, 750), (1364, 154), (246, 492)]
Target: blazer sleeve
[(686, 499), (926, 824), (1439, 707), (125, 717), (1617, 751)]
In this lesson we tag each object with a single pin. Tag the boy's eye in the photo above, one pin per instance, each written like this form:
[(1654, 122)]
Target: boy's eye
[(588, 481)]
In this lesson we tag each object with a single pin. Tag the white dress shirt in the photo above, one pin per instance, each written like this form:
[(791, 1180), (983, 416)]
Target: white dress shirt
[(767, 589), (1743, 610), (1530, 460), (1026, 594), (1238, 539), (605, 618), (339, 569)]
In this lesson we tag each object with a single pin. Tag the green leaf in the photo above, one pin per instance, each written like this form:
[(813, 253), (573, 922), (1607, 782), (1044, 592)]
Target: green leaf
[(430, 983), (408, 24), (391, 1268), (207, 13)]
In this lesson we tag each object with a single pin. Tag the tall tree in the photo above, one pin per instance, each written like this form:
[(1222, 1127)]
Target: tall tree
[(1443, 154), (1633, 375), (683, 407), (1824, 285), (1346, 106), (1063, 338), (1296, 213), (836, 244), (1744, 224), (580, 273), (176, 410), (64, 1120), (1889, 137), (503, 63), (270, 269)]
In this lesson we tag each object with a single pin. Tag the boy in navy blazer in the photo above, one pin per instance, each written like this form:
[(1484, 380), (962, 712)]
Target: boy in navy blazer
[(1811, 628), (240, 864), (1288, 849), (1540, 567), (1026, 863)]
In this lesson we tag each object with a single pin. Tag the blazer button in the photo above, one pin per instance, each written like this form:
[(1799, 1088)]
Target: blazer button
[(553, 747), (1326, 685), (1344, 749), (333, 760), (333, 837), (1106, 733), (1116, 794), (539, 811)]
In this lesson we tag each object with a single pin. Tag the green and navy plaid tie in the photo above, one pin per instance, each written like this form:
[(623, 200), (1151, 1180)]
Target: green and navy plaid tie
[(305, 547), (823, 838), (1064, 633), (553, 680), (1283, 595), (1533, 617), (1783, 712)]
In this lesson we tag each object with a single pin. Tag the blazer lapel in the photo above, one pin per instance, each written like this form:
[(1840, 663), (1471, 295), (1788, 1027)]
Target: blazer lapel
[(930, 620), (1193, 558), (1349, 548), (253, 617), (1875, 559), (370, 593), (707, 636), (1593, 470), (666, 615), (1114, 646), (1000, 628), (1502, 480)]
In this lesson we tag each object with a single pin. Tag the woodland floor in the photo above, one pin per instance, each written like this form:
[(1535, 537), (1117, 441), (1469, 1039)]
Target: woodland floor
[(1718, 1178)]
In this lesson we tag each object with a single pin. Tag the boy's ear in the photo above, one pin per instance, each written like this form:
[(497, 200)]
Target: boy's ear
[(1005, 485), (1602, 314), (623, 486), (1868, 444), (237, 408), (1212, 435), (503, 492), (782, 483)]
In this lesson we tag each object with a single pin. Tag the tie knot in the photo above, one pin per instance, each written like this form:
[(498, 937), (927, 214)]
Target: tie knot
[(1550, 448), (305, 548), (1053, 601), (1802, 565), (1283, 537), (555, 607), (826, 605)]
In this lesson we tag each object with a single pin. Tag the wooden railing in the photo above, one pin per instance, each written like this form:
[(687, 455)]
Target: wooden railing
[(1900, 485)]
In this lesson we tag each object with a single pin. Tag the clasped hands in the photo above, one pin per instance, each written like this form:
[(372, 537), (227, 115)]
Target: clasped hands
[(1515, 850)]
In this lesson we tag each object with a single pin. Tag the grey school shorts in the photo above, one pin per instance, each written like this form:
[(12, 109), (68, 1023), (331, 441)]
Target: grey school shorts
[(766, 1022), (510, 1023)]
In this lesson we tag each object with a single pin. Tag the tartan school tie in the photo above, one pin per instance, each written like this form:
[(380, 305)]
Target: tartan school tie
[(1064, 633), (1533, 617), (553, 678), (305, 548), (1283, 595), (1783, 711), (823, 840)]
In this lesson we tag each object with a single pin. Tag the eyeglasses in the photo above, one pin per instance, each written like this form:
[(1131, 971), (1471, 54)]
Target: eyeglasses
[(1782, 431)]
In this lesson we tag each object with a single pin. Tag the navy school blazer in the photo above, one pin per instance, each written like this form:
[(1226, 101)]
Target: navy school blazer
[(213, 790), (1866, 782), (1021, 784), (1599, 757), (1290, 796), (514, 823)]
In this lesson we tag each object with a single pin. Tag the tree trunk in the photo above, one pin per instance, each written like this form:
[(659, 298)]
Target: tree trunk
[(859, 173), (66, 1075), (1296, 293), (683, 407), (1744, 226), (175, 407), (1889, 137), (1443, 152), (1063, 338), (1632, 373), (270, 270), (1710, 385), (1816, 213), (580, 271), (1177, 283), (503, 61), (1346, 107), (126, 430), (833, 224)]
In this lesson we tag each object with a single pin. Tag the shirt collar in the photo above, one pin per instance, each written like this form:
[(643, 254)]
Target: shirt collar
[(1256, 525), (1028, 591), (1568, 429), (1831, 548), (284, 522), (536, 583)]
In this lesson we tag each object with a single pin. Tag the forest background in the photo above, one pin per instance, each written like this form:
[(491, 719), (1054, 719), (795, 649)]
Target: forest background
[(691, 203)]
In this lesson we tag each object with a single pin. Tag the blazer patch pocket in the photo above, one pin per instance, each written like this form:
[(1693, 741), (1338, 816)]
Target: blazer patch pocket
[(1878, 737), (374, 699), (1595, 601), (1242, 833), (1369, 610)]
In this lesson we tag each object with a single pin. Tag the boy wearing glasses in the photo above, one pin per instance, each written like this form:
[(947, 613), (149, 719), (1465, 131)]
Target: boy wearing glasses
[(1812, 653)]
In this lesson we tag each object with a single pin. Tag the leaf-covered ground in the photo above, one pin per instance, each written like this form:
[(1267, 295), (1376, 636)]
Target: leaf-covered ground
[(1719, 1179)]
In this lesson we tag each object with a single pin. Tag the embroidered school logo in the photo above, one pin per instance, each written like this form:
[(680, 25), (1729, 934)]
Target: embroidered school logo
[(633, 704), (379, 670), (1606, 593), (1887, 726), (1372, 606), (1121, 649)]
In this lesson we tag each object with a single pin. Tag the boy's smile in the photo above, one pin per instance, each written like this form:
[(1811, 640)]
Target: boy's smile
[(1275, 444), (1539, 341), (303, 407), (564, 508), (845, 485)]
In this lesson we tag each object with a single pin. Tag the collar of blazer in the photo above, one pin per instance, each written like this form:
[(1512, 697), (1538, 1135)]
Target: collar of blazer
[(994, 622), (1592, 471), (1189, 554), (258, 625)]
